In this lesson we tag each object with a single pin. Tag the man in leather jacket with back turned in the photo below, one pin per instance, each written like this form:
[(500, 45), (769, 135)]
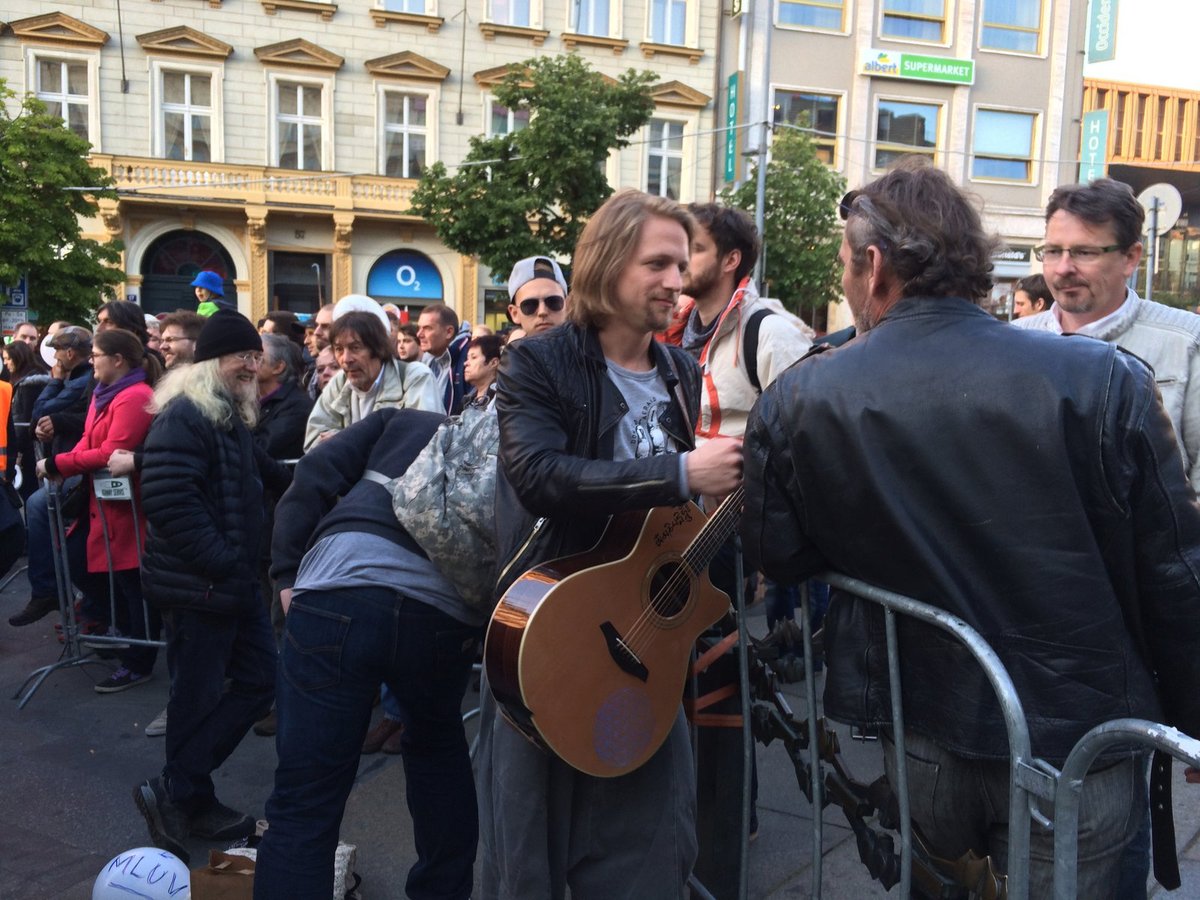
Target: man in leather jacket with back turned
[(901, 458)]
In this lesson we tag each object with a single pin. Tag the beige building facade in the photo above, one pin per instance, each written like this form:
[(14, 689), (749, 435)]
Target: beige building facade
[(989, 90), (278, 142)]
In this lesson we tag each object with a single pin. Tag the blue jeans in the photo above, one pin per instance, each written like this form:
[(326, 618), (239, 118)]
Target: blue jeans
[(42, 582), (206, 720), (338, 646)]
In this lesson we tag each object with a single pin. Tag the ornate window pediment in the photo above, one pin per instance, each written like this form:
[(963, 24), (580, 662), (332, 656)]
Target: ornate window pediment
[(299, 52), (58, 28), (676, 93), (184, 41), (407, 64)]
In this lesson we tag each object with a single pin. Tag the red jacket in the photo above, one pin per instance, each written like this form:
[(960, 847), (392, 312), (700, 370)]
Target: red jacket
[(121, 426)]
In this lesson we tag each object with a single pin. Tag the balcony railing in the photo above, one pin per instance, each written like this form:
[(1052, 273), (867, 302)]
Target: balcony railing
[(160, 180)]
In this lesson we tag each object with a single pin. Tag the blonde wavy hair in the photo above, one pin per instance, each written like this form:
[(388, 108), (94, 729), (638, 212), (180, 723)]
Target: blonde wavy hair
[(201, 383), (605, 247)]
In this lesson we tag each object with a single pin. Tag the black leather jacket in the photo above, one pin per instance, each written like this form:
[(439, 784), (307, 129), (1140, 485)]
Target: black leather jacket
[(1031, 487), (558, 413)]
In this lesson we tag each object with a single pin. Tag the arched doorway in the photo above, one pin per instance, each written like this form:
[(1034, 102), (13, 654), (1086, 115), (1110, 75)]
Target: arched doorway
[(170, 264)]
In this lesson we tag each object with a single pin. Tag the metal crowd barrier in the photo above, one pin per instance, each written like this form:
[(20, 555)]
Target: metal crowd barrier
[(77, 648), (1029, 778)]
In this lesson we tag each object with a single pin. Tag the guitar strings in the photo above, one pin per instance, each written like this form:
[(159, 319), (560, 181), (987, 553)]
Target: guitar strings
[(713, 534)]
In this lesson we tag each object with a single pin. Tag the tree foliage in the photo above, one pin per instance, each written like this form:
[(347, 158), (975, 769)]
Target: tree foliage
[(40, 232), (531, 191), (801, 237)]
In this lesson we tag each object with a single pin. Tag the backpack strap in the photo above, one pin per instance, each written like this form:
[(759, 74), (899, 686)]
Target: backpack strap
[(750, 346)]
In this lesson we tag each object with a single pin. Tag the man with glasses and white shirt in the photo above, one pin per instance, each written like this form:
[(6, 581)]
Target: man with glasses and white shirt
[(1093, 244), (537, 293)]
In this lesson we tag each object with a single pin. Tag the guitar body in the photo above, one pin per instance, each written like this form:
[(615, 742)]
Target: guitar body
[(588, 654)]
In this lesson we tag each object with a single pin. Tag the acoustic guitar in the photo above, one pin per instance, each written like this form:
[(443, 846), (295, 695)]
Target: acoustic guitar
[(587, 655)]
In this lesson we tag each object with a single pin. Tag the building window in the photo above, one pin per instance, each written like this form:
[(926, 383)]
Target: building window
[(417, 7), (668, 21), (62, 84), (917, 20), (903, 127), (299, 125), (1003, 145), (512, 12), (1014, 25), (502, 120), (664, 158), (591, 17), (818, 113), (185, 116), (827, 15), (405, 133)]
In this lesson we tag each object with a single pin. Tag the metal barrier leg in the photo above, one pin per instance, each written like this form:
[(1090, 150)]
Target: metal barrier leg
[(814, 748), (901, 785), (1070, 784), (72, 652), (11, 577)]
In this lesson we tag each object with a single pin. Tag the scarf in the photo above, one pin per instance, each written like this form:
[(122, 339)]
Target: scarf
[(104, 393)]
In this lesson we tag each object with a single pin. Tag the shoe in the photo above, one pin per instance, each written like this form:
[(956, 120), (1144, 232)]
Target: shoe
[(35, 609), (158, 725), (378, 735), (392, 746), (220, 823), (168, 824), (267, 725), (121, 680)]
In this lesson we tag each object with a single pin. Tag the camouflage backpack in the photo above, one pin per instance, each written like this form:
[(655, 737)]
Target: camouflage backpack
[(446, 498)]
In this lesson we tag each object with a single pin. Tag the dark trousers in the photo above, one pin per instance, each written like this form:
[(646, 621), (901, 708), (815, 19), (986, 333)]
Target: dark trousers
[(338, 646), (132, 619), (206, 719)]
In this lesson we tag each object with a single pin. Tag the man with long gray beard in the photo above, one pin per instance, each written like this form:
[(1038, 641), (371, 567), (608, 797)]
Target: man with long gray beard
[(202, 490)]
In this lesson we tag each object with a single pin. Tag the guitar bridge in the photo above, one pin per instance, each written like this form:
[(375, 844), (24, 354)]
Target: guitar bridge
[(621, 654)]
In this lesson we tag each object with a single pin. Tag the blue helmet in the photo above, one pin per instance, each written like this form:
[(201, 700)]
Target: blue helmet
[(211, 281)]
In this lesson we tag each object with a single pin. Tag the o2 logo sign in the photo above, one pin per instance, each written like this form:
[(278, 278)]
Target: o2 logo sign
[(405, 275)]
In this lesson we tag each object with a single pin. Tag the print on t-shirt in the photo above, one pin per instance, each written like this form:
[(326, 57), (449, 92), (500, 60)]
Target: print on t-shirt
[(649, 437)]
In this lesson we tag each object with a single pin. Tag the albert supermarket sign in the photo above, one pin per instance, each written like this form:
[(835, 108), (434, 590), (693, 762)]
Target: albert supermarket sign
[(917, 67)]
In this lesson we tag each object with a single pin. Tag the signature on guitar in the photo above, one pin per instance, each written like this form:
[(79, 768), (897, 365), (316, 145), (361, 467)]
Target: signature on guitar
[(682, 515)]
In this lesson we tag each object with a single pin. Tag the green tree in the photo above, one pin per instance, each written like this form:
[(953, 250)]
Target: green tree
[(800, 223), (530, 192), (42, 164)]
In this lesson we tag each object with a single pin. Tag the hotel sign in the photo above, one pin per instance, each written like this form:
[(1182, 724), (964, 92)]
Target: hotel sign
[(917, 67)]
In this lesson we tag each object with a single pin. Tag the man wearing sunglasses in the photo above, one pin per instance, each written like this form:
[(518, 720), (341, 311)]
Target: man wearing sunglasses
[(1093, 245), (538, 295)]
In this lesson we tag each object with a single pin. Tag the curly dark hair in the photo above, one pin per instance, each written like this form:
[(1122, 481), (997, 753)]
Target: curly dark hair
[(929, 233), (1102, 202)]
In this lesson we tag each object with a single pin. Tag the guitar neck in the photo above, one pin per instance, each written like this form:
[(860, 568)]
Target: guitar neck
[(716, 531)]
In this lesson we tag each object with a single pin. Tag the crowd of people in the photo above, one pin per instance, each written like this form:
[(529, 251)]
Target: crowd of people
[(262, 544)]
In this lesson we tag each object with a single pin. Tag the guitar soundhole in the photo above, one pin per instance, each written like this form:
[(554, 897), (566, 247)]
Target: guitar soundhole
[(669, 590)]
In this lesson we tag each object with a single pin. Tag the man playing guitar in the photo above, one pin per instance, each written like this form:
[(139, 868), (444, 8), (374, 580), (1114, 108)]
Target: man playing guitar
[(596, 418)]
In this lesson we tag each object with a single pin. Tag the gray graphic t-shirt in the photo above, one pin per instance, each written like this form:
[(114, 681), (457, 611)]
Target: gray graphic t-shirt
[(640, 433)]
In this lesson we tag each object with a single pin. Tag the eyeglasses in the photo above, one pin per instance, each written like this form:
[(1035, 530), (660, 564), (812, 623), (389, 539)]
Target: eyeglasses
[(250, 358), (529, 305), (1082, 255), (98, 355)]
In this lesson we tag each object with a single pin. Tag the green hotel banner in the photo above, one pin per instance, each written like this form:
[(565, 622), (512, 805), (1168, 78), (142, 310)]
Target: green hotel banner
[(1093, 149), (918, 67), (1102, 30)]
